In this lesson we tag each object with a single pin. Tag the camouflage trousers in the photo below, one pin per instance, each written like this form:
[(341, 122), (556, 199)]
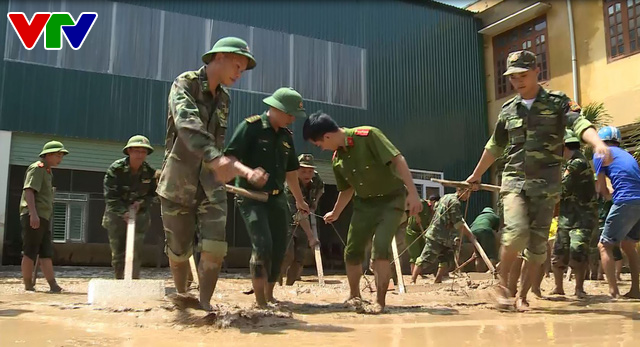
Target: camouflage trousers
[(571, 247), (117, 228), (181, 222), (298, 243), (435, 251), (527, 220)]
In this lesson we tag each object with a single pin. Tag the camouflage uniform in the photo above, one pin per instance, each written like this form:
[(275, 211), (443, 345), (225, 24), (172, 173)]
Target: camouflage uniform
[(121, 189), (531, 180), (414, 239), (443, 230), (298, 242), (578, 213), (190, 195)]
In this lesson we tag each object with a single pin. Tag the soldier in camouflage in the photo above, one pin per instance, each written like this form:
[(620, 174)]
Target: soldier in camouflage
[(531, 125), (445, 226), (578, 216), (129, 183), (191, 185), (301, 236)]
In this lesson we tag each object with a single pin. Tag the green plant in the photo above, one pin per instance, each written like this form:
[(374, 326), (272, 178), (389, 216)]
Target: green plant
[(597, 114)]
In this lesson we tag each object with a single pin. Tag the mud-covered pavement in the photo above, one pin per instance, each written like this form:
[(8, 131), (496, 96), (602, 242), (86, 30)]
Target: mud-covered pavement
[(455, 313)]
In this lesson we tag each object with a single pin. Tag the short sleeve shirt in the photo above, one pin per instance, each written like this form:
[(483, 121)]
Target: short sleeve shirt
[(39, 179)]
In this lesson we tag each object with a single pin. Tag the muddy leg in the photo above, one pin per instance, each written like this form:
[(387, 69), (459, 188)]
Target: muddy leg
[(27, 272), (629, 248), (513, 276), (608, 264)]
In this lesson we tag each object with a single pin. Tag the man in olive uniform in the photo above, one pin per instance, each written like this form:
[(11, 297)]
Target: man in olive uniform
[(301, 237), (577, 219), (368, 165), (484, 228), (264, 142), (36, 211), (532, 125), (129, 183), (445, 226), (414, 239), (191, 186)]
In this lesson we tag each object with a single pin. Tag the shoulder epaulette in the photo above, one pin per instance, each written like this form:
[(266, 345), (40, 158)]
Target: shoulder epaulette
[(252, 119), (289, 131), (508, 102), (557, 93), (362, 132)]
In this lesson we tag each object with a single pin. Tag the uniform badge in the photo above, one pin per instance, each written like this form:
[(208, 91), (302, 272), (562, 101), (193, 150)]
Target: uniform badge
[(574, 106), (286, 144), (350, 141), (362, 132), (566, 173), (146, 181), (40, 164), (335, 153)]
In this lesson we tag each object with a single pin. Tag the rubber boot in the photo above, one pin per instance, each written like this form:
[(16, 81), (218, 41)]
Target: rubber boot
[(208, 272)]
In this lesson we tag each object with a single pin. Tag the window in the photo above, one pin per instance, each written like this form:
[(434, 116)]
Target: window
[(531, 36), (424, 184), (141, 42), (622, 27), (69, 217)]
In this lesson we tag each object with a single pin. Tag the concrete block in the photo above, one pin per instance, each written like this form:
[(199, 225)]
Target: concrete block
[(134, 293)]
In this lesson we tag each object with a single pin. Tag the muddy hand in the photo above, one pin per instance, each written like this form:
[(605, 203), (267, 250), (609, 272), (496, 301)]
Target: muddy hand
[(474, 182), (258, 177), (330, 217), (303, 207)]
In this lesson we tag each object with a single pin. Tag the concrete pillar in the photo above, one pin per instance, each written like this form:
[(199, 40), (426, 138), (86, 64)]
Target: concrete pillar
[(5, 151)]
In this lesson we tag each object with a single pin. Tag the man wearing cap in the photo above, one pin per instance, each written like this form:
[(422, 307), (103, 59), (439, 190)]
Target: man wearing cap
[(578, 216), (36, 210), (366, 164), (264, 142), (129, 184), (301, 236), (194, 171), (532, 126)]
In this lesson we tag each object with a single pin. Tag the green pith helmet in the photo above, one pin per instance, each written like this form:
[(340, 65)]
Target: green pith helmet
[(570, 137), (53, 147), (306, 160), (287, 100), (138, 141), (487, 210), (230, 45)]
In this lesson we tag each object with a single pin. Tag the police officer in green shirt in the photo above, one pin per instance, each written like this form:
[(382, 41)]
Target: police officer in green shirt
[(367, 164), (36, 211), (264, 142)]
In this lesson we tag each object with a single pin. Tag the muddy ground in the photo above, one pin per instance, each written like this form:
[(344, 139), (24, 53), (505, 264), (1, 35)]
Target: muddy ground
[(458, 312)]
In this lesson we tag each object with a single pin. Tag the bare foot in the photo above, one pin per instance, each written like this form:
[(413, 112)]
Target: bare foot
[(30, 289), (55, 289), (633, 294), (205, 306), (355, 302), (502, 301), (557, 291), (373, 309), (522, 305), (580, 293)]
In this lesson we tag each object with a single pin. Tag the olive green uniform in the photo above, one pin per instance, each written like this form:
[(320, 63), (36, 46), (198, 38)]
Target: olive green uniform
[(121, 189), (413, 234), (37, 241), (298, 243), (364, 164), (257, 144), (484, 228)]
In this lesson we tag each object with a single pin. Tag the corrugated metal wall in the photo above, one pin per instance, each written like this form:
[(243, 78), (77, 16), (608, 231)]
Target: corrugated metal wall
[(425, 81)]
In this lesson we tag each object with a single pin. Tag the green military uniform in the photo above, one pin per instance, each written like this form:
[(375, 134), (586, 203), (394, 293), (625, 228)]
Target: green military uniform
[(298, 243), (121, 189), (413, 234), (191, 198), (578, 210), (483, 228), (257, 144), (531, 180), (442, 232), (379, 202), (39, 178)]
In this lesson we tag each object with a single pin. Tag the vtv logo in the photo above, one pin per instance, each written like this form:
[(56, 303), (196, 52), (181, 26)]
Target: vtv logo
[(53, 24)]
